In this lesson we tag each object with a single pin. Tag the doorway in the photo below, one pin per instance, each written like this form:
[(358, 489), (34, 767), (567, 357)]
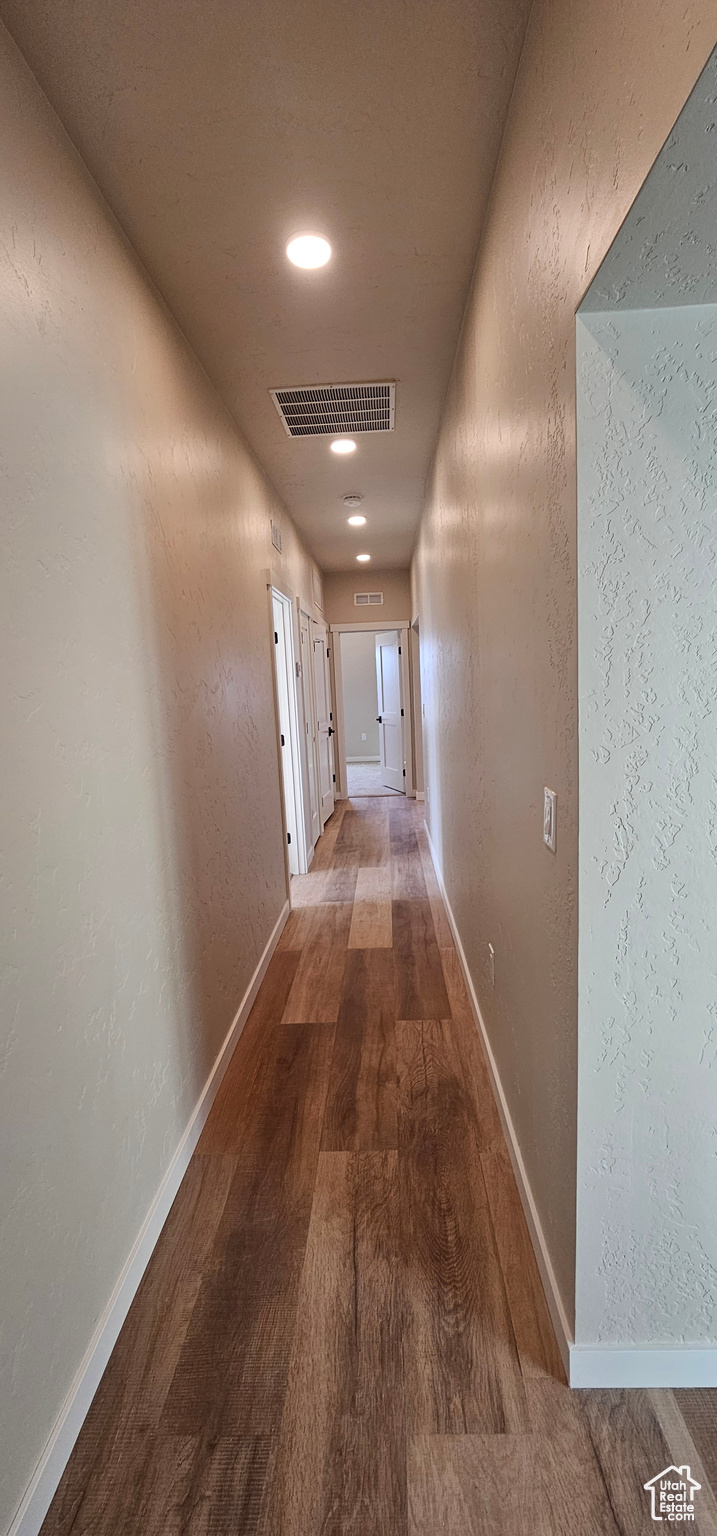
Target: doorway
[(372, 691)]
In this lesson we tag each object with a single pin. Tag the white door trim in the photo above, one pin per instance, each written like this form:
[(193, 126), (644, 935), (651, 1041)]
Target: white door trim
[(370, 628), (378, 626), (296, 787)]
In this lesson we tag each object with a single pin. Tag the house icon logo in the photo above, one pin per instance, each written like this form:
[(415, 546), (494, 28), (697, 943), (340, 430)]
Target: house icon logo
[(672, 1494)]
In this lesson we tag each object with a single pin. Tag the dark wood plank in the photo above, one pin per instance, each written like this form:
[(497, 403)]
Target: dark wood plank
[(360, 1110), (362, 838), (534, 1333), (324, 851), (626, 1437), (421, 990), (407, 878), (164, 1485), (698, 1407), (315, 994), (222, 1132), (341, 1459), (462, 1368), (232, 1370), (402, 830), (129, 1401)]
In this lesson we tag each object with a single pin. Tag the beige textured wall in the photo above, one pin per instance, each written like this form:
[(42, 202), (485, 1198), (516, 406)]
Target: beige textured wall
[(141, 849), (494, 574), (339, 588)]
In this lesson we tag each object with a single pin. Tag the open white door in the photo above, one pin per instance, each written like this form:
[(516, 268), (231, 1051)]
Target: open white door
[(390, 714), (324, 728)]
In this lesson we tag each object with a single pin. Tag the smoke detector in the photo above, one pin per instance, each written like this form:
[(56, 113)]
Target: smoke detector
[(353, 501)]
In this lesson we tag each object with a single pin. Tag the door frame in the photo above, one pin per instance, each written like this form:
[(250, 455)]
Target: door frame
[(331, 706), (275, 585), (307, 693), (372, 628)]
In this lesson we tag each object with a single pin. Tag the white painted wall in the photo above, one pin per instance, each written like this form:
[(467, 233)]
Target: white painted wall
[(141, 855), (358, 673), (647, 1148)]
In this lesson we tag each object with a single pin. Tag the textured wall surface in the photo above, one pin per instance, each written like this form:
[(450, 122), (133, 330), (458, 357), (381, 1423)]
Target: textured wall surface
[(666, 251), (358, 676), (597, 92), (141, 860), (647, 455), (339, 588)]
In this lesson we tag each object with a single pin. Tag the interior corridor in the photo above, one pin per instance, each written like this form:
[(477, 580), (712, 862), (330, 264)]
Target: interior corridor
[(342, 1328)]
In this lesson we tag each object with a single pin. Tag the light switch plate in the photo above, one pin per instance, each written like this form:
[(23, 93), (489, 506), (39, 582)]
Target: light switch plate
[(550, 819)]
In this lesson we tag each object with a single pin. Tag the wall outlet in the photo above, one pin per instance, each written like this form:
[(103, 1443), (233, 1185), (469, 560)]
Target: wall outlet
[(491, 965), (363, 735), (550, 819)]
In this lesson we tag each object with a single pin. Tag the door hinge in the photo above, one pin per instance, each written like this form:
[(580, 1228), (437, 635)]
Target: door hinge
[(399, 650), (334, 778), (283, 743), (327, 651), (401, 711), (288, 837), (404, 773), (330, 715), (276, 638)]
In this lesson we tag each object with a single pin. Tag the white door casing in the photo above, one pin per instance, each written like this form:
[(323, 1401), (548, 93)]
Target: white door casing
[(388, 681), (283, 660), (310, 720), (324, 727)]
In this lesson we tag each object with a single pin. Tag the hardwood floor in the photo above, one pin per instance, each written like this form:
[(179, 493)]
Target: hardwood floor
[(342, 1331)]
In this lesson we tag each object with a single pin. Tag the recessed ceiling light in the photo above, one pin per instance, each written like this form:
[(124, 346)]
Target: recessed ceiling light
[(357, 522), (343, 445), (308, 250), (363, 558)]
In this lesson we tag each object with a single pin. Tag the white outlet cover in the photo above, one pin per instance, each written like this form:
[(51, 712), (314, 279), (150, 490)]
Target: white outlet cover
[(550, 819)]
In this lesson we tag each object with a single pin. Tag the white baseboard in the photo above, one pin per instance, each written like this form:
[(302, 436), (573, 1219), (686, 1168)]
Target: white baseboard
[(56, 1454), (608, 1365), (362, 760), (563, 1332)]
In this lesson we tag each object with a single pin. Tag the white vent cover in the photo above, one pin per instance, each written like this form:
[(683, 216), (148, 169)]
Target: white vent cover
[(276, 535), (368, 599), (327, 409)]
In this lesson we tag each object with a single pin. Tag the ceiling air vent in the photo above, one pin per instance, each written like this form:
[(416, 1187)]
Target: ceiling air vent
[(328, 409), (368, 599)]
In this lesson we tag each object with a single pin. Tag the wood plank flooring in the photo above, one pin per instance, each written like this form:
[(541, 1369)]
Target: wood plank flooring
[(342, 1331)]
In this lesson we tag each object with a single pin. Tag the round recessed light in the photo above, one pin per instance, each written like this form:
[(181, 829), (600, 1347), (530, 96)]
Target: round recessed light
[(353, 500), (308, 250), (357, 522), (343, 445), (363, 558)]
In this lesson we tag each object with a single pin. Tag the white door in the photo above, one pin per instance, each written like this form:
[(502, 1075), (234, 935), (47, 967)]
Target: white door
[(283, 659), (324, 728), (390, 720), (307, 684)]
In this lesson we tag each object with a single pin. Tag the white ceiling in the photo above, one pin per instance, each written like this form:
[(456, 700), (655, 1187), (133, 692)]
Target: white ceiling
[(218, 129)]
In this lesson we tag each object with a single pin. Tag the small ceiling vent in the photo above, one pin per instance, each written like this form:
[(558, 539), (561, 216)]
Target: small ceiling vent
[(368, 599), (328, 409)]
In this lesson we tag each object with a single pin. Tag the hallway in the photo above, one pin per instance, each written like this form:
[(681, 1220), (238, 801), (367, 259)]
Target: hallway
[(348, 1240)]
